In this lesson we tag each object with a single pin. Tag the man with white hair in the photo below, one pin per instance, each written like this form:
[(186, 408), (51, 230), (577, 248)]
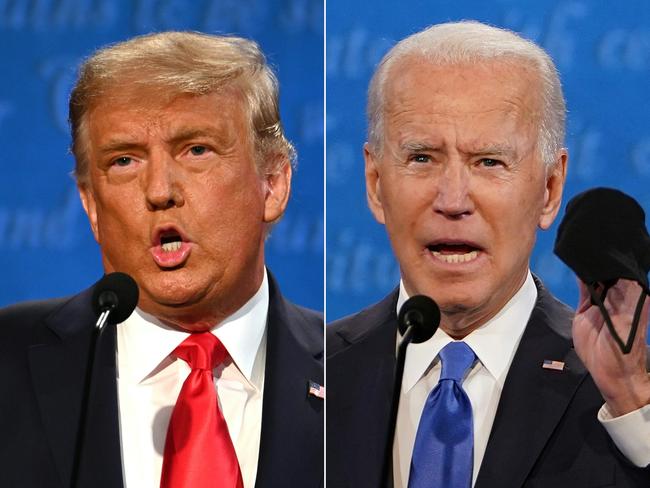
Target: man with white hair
[(182, 167), (465, 159)]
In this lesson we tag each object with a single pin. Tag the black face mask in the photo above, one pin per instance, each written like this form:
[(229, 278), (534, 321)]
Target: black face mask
[(603, 238)]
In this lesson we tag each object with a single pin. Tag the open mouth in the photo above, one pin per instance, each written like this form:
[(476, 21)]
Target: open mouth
[(171, 242), (454, 252), (170, 247)]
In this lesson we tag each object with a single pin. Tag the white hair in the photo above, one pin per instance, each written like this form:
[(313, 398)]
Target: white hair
[(464, 42)]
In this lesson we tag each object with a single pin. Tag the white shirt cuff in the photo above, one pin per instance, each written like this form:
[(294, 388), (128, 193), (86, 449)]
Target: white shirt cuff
[(630, 433)]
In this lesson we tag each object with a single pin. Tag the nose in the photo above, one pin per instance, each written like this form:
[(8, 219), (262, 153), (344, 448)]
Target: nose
[(161, 183), (453, 199)]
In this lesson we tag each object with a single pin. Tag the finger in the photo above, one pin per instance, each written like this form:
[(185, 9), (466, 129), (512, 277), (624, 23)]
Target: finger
[(584, 299), (623, 296), (645, 318), (622, 305)]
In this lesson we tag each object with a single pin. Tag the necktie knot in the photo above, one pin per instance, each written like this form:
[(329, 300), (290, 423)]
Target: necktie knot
[(201, 350), (457, 358)]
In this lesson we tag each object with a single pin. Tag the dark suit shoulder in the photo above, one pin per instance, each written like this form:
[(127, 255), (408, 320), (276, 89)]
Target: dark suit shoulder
[(362, 325), (31, 310), (360, 368), (305, 326), (311, 325), (557, 315), (311, 317), (19, 320)]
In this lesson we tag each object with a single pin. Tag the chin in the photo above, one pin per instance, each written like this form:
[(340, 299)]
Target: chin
[(172, 293), (462, 301)]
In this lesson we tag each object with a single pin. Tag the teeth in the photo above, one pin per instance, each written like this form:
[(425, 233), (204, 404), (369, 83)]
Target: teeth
[(456, 258), (171, 246)]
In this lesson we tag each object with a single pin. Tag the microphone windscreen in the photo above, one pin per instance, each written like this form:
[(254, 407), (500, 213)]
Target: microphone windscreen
[(423, 314), (118, 291), (603, 237)]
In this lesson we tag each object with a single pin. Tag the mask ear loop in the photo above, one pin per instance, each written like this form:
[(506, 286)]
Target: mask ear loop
[(606, 286), (598, 300)]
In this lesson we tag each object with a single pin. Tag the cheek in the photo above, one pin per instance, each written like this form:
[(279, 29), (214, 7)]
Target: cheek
[(516, 227), (225, 207), (112, 213), (531, 203), (406, 200), (123, 224)]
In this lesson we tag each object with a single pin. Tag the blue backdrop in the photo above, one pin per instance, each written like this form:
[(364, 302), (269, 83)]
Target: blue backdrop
[(602, 50), (46, 248)]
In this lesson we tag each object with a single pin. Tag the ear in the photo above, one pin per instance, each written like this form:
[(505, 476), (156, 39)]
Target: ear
[(278, 188), (90, 206), (555, 178), (373, 185)]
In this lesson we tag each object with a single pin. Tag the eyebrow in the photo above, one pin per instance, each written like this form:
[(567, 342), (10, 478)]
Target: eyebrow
[(191, 133), (414, 146), (126, 143), (119, 145), (496, 149), (492, 149)]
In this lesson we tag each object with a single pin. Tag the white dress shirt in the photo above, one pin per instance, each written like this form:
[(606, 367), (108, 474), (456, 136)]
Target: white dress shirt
[(149, 381), (494, 344)]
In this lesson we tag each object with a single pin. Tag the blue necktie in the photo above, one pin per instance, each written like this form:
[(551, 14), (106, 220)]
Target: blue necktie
[(443, 450)]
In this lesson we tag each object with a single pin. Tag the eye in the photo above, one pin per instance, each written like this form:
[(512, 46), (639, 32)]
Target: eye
[(122, 161), (198, 150), (419, 158), (490, 163)]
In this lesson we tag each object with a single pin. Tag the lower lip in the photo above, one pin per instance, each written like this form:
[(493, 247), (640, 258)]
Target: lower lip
[(171, 259)]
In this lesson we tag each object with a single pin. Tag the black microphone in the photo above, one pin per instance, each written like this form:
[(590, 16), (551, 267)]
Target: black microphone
[(114, 298), (417, 321), (115, 295)]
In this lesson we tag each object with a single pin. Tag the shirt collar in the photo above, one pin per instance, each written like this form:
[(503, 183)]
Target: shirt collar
[(145, 343), (494, 343)]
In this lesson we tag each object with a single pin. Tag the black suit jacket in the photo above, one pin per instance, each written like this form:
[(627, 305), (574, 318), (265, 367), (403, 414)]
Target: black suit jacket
[(545, 433), (43, 351)]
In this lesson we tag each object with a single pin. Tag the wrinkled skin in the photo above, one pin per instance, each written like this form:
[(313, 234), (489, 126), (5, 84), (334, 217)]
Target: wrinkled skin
[(460, 163)]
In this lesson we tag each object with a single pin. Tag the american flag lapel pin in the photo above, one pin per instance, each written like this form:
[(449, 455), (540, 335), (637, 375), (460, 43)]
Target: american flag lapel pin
[(316, 390), (556, 365)]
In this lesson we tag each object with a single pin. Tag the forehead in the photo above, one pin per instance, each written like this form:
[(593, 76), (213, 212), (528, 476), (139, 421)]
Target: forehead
[(138, 110), (485, 96)]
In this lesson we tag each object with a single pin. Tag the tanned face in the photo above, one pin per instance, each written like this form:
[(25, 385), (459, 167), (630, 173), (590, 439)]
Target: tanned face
[(175, 199)]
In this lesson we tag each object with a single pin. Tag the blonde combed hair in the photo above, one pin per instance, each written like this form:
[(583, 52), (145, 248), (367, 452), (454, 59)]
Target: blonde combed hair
[(178, 63)]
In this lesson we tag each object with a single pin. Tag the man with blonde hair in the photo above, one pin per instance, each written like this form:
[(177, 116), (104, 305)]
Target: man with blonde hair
[(465, 159), (182, 167)]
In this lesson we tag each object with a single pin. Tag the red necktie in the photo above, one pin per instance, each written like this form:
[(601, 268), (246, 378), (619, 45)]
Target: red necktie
[(198, 449)]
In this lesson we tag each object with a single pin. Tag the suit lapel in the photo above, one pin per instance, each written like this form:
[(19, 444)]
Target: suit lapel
[(291, 444), (362, 409), (533, 399), (57, 361)]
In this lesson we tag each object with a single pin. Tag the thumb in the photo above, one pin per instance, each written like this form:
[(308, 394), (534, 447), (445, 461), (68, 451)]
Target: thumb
[(584, 300)]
